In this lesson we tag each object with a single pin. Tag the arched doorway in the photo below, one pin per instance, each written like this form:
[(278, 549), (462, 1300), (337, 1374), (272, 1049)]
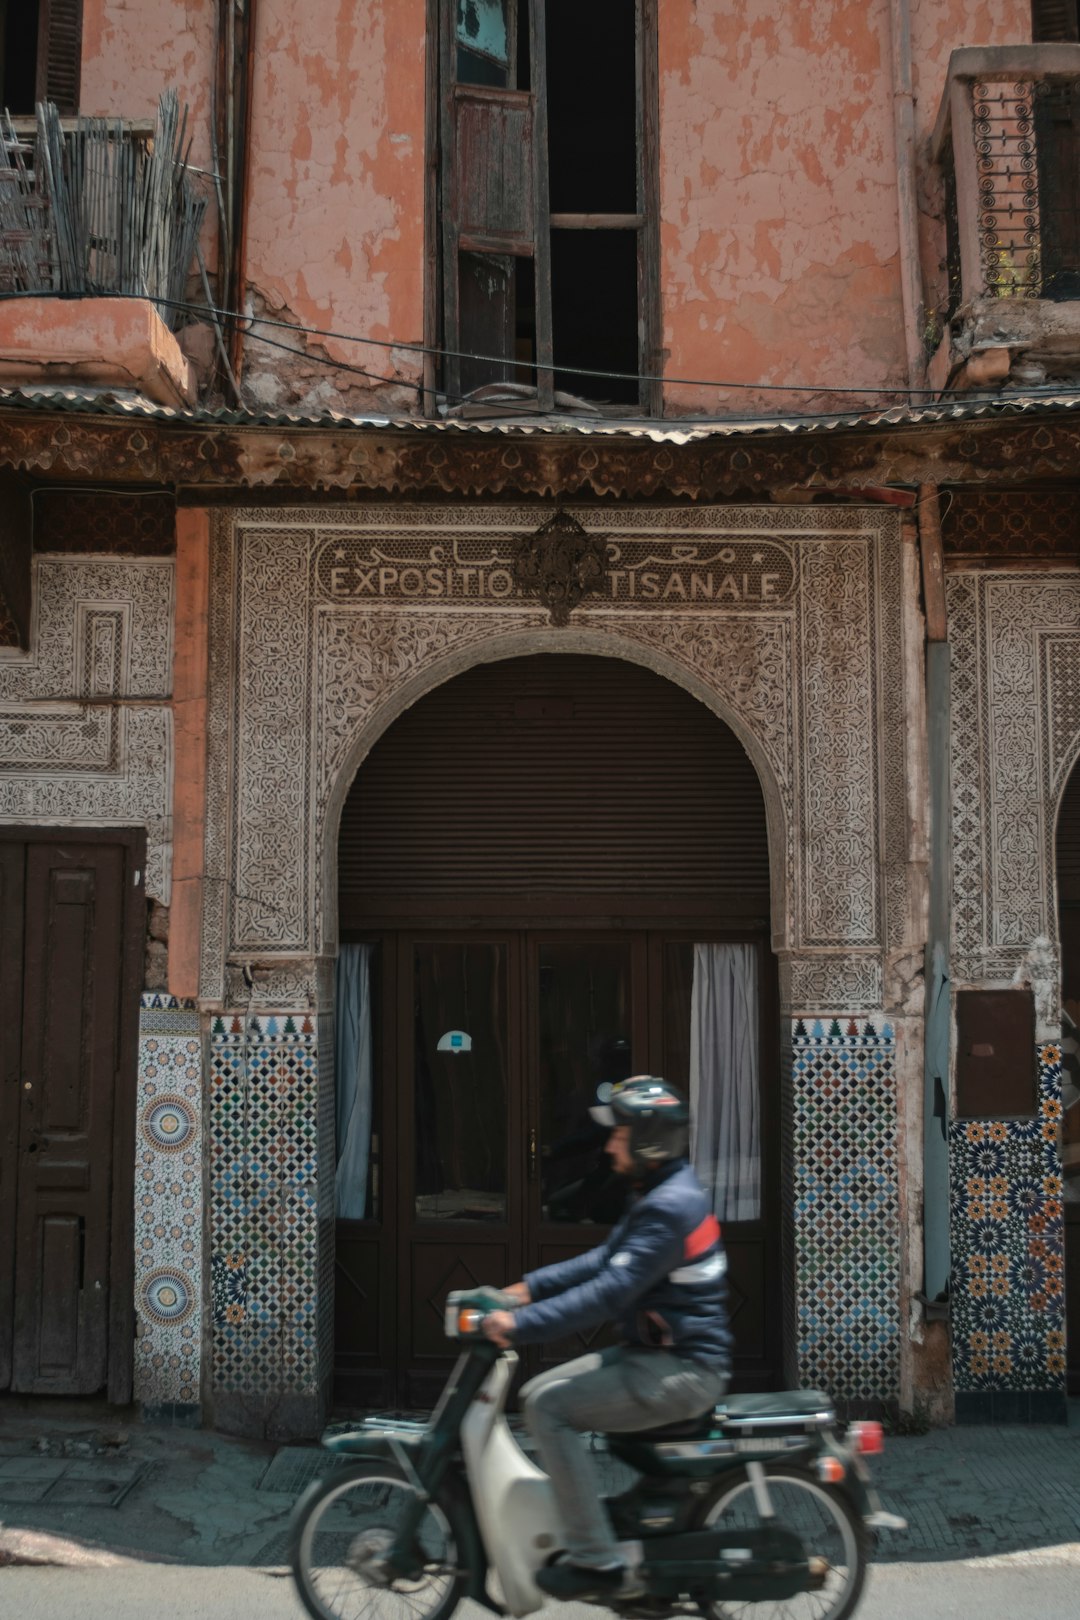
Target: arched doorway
[(1068, 889), (547, 869)]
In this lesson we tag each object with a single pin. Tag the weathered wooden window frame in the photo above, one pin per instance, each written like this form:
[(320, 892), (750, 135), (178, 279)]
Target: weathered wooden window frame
[(445, 239), (58, 61)]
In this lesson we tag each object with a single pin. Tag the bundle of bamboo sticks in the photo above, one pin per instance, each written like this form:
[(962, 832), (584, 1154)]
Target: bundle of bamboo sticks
[(98, 209)]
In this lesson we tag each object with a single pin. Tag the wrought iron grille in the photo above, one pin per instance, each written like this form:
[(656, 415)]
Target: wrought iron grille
[(1007, 163)]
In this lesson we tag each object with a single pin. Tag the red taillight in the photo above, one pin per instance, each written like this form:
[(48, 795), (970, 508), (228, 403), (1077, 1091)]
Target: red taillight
[(831, 1471), (867, 1438)]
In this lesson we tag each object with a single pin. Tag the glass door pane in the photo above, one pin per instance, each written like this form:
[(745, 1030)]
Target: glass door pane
[(585, 1038), (460, 1081)]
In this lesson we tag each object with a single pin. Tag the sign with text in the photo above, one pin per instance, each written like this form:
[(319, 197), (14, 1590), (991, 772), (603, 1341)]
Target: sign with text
[(483, 570)]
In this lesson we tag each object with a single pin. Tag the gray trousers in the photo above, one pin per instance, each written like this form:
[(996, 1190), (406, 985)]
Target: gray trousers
[(616, 1390)]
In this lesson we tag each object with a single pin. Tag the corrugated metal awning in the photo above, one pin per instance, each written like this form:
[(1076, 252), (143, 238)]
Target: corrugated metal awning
[(683, 431)]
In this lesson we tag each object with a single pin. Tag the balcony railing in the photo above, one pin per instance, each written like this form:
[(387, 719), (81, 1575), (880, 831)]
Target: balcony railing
[(1008, 140), (93, 206)]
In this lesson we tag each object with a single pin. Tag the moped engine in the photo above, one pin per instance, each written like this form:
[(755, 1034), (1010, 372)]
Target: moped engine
[(766, 1562)]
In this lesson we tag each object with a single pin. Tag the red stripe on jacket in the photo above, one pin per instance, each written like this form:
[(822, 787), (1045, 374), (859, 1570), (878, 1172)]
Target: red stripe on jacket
[(701, 1238)]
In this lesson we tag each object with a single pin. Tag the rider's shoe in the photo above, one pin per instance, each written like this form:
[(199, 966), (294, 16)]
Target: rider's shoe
[(566, 1581)]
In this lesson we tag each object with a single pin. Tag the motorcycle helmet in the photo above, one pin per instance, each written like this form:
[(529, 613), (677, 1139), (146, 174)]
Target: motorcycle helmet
[(658, 1116)]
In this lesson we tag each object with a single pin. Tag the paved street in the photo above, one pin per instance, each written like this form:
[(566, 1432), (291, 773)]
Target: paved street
[(100, 1525), (1039, 1586)]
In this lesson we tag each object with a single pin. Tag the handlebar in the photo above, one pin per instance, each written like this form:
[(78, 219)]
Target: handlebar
[(467, 1307)]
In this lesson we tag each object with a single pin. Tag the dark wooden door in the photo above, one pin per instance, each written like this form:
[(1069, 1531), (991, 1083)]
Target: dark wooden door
[(460, 1134), (586, 1022), (68, 1125), (603, 1007), (498, 1043), (12, 874)]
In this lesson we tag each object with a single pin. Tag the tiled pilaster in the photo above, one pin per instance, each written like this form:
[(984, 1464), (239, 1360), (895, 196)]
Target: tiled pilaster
[(846, 1209), (1008, 1302), (264, 1109), (169, 1207)]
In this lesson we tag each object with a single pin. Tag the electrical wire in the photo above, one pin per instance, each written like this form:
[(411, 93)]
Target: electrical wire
[(532, 365), (528, 407)]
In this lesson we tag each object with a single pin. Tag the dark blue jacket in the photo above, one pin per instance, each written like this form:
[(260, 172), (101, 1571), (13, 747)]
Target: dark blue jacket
[(662, 1274)]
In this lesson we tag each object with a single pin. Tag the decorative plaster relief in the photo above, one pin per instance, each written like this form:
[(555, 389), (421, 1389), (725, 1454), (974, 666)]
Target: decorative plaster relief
[(836, 746), (284, 984), (822, 982), (102, 630), (325, 626), (1015, 735)]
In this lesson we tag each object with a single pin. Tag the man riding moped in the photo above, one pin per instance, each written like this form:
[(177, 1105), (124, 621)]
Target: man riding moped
[(662, 1275)]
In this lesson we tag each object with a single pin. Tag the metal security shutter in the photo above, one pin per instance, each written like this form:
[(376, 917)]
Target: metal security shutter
[(60, 53), (560, 780)]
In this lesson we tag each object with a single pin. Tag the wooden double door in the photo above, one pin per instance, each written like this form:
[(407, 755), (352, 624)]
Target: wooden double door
[(489, 1047), (72, 919)]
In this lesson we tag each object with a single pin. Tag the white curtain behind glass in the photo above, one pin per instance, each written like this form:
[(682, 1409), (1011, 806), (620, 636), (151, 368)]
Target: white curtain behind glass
[(352, 1074), (725, 1143)]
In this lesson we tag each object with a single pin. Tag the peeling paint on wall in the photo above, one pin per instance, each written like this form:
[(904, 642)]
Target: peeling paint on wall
[(779, 234)]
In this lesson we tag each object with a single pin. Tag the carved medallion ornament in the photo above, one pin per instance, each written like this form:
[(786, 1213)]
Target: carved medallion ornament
[(328, 623), (560, 564)]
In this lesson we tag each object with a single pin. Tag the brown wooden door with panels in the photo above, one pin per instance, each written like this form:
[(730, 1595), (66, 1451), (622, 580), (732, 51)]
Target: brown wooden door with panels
[(72, 919)]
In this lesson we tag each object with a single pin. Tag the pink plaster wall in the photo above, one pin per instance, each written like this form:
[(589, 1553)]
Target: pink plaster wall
[(134, 49), (779, 211), (336, 208), (779, 231)]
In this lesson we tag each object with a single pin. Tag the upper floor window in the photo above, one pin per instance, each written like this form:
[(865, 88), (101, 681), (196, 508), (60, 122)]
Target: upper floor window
[(1054, 20), (40, 51), (547, 238)]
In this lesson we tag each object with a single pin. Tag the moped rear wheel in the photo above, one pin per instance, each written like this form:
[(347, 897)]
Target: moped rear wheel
[(830, 1530), (341, 1528)]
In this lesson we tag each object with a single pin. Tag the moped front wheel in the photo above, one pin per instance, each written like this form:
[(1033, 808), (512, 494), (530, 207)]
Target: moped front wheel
[(832, 1533), (342, 1528)]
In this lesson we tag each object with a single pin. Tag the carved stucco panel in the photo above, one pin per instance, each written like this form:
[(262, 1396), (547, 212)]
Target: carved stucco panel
[(830, 982), (271, 739), (300, 687), (1015, 734), (838, 881), (102, 630)]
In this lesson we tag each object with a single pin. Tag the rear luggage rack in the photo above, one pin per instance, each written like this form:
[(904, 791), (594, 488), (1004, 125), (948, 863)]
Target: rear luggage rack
[(802, 1411)]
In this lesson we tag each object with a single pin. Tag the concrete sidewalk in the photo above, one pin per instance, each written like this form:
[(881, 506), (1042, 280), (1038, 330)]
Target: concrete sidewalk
[(78, 1493)]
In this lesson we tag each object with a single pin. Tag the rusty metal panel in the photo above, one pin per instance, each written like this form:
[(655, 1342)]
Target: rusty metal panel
[(995, 1054), (493, 180)]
